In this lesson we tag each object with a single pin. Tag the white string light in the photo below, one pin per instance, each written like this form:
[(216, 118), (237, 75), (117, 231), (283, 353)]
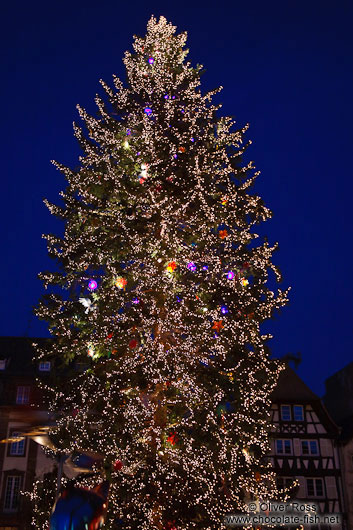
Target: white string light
[(160, 216)]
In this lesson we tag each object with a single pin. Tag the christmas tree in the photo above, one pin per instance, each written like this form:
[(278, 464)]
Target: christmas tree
[(165, 294)]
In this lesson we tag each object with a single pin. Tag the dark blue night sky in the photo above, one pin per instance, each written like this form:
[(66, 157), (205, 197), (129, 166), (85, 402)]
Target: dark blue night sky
[(286, 68)]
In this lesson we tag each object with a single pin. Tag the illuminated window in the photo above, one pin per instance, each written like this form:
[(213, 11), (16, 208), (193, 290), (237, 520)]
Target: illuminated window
[(12, 493), (44, 366), (286, 413), (298, 413), (310, 447), (22, 397), (284, 447), (17, 448)]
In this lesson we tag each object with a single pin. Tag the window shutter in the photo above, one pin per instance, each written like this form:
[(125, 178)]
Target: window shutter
[(296, 447), (331, 490), (301, 491), (273, 450), (326, 447)]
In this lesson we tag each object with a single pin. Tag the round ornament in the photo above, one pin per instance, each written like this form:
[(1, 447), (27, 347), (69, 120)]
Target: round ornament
[(92, 285), (222, 234), (118, 465), (121, 282), (171, 266)]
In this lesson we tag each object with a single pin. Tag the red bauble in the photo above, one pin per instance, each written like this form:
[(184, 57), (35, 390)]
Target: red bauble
[(118, 465), (132, 344)]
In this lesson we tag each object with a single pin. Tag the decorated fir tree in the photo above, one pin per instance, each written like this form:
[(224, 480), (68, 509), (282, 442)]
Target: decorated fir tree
[(166, 291)]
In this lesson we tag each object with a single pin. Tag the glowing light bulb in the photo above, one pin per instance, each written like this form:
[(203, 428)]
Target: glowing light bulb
[(191, 266), (148, 111), (224, 309), (121, 282), (92, 285), (151, 60), (230, 275), (171, 266)]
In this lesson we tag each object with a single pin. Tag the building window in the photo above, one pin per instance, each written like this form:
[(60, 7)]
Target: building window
[(44, 366), (81, 367), (286, 413), (17, 448), (315, 487), (2, 364), (284, 447), (22, 397), (298, 413), (12, 493), (310, 447), (284, 482)]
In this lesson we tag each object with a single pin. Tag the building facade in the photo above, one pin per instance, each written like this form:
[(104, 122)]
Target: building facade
[(21, 408), (305, 446)]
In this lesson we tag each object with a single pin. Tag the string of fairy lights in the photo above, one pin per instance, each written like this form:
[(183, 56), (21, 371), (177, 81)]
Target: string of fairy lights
[(166, 294)]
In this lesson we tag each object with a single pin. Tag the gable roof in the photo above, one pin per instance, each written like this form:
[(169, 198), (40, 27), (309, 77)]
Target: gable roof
[(291, 387)]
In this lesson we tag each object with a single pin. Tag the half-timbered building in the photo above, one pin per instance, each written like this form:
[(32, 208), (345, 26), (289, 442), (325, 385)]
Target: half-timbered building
[(305, 444)]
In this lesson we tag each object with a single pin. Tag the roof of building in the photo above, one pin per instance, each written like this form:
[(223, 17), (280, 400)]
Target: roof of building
[(291, 387)]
